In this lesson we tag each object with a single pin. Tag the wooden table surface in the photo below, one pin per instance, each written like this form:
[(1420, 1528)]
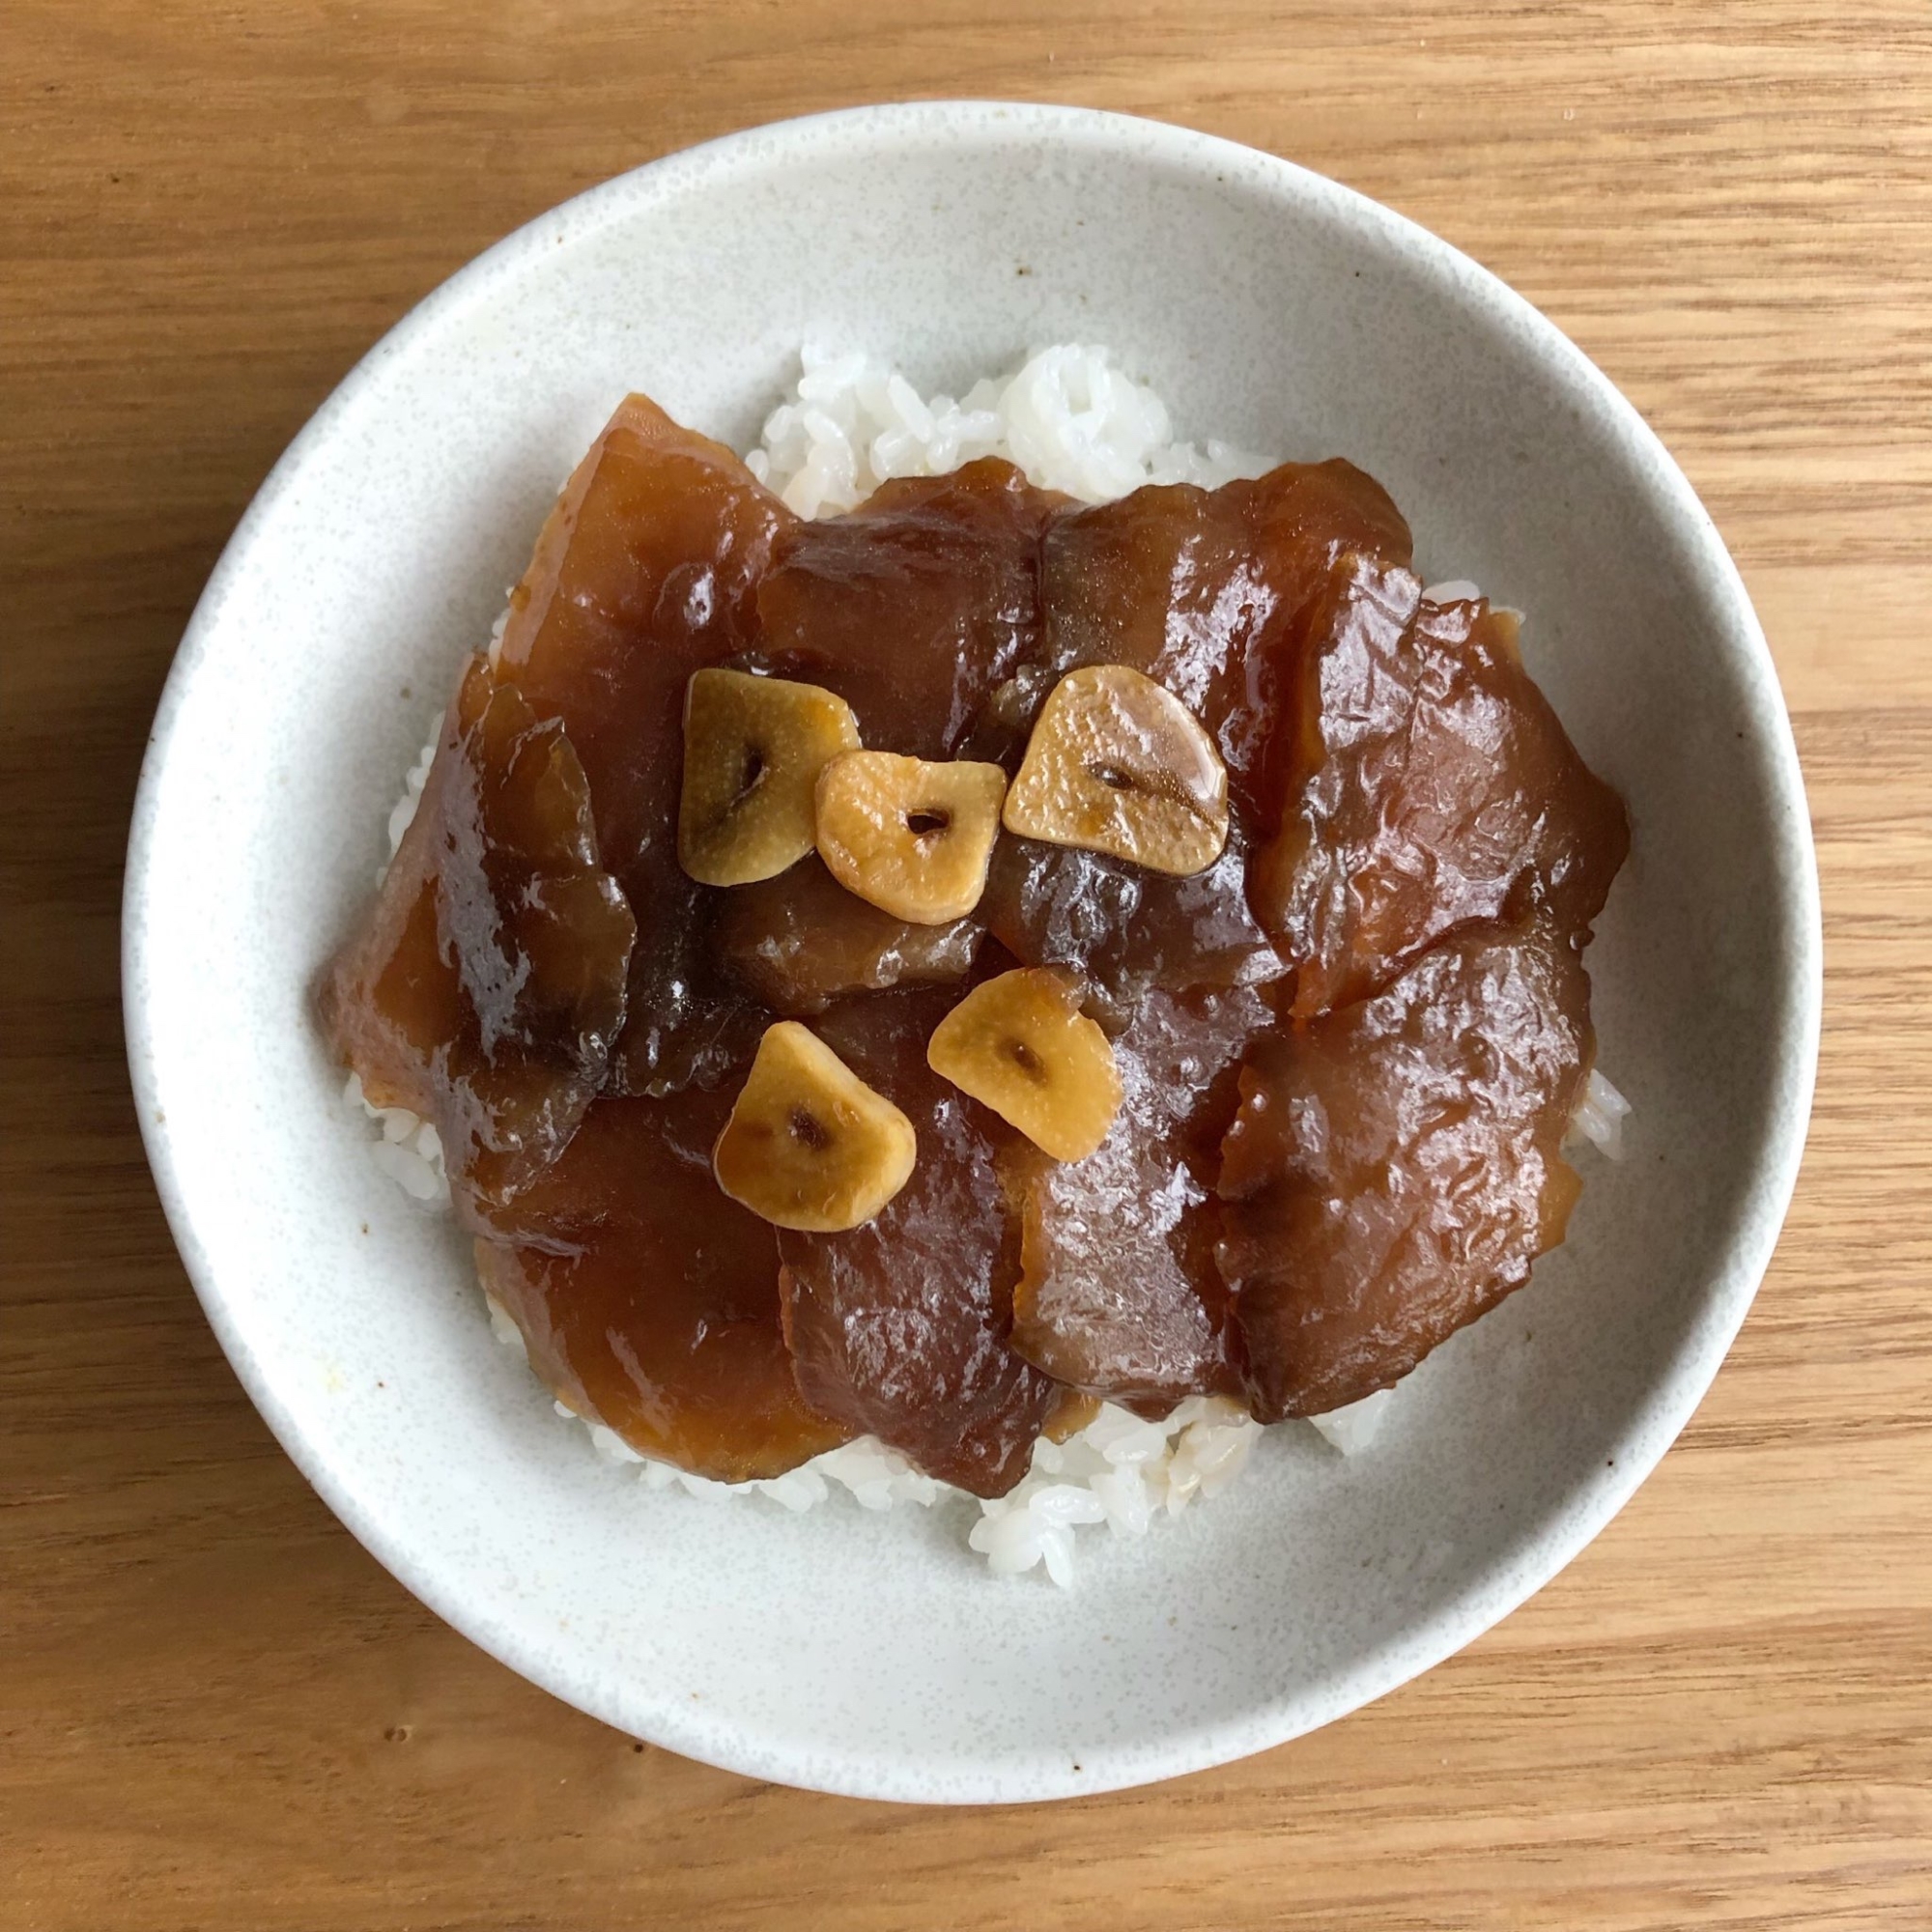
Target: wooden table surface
[(216, 1710)]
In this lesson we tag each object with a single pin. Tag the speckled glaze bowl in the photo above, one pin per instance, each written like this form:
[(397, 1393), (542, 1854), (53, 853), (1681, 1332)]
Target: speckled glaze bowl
[(875, 1655)]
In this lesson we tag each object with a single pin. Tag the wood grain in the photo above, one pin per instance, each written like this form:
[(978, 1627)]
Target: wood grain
[(216, 1710)]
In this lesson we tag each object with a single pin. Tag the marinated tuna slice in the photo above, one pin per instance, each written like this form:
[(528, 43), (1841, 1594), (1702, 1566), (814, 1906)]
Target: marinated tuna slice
[(914, 606), (487, 987), (1203, 590), (1260, 1030), (800, 941), (648, 1300), (1119, 1294), (1431, 786), (1395, 1165), (646, 571), (1125, 928), (899, 1328)]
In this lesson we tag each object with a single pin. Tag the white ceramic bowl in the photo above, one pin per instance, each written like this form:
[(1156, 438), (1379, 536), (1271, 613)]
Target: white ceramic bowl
[(875, 1655)]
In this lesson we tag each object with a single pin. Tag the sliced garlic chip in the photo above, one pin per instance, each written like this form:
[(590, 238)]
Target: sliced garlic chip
[(809, 1145), (1021, 1045), (1118, 764), (753, 748), (908, 835)]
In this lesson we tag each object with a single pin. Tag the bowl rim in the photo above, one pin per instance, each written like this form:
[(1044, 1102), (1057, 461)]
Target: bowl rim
[(1269, 1720)]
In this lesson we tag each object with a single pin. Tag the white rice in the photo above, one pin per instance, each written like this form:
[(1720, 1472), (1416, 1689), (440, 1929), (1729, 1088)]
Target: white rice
[(408, 1150), (1066, 416), (402, 814), (1600, 1116), (1076, 423), (1118, 1470), (1352, 1427)]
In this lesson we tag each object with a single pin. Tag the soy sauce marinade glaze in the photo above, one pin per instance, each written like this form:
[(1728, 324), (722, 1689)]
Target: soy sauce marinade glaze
[(1201, 1013)]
